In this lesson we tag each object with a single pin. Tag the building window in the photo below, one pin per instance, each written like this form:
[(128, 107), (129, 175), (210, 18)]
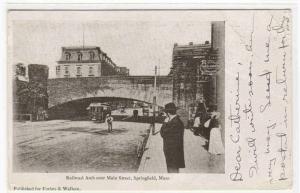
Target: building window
[(182, 77), (79, 56), (67, 73), (57, 70), (68, 56), (203, 62), (92, 55), (188, 86), (198, 74), (181, 85), (78, 74), (91, 71)]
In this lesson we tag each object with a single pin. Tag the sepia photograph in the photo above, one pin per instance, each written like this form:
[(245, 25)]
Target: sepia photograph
[(118, 92), (150, 97)]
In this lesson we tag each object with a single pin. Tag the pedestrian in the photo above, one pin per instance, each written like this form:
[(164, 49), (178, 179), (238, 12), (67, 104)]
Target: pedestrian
[(135, 114), (109, 121), (215, 140), (197, 124), (201, 108), (172, 132), (203, 116)]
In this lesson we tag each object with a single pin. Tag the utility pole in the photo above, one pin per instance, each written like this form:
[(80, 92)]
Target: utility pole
[(83, 37), (154, 101)]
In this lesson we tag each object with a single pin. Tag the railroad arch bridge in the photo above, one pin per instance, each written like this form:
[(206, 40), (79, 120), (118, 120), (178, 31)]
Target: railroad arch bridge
[(62, 91)]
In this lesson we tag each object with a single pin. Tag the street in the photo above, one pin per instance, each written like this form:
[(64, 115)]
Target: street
[(77, 146), (85, 146)]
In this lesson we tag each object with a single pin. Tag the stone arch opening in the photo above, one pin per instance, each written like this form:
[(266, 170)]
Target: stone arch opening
[(77, 109)]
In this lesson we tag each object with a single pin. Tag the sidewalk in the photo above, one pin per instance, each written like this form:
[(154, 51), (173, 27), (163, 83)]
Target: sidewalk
[(196, 156)]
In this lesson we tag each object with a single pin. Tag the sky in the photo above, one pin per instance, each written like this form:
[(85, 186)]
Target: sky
[(138, 40)]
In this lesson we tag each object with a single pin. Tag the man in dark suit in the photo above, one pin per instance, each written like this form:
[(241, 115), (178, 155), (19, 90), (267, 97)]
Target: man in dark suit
[(172, 132)]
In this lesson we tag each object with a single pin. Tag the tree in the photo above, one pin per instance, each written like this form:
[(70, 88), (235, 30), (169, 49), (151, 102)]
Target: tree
[(34, 95), (20, 70)]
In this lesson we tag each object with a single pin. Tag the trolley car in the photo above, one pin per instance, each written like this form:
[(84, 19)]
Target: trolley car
[(98, 111)]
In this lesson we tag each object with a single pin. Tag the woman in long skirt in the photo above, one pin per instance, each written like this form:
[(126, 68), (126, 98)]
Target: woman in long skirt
[(215, 140)]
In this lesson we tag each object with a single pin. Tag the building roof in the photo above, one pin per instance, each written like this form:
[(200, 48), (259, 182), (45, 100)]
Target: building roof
[(192, 49), (85, 56), (81, 47), (70, 55), (192, 46)]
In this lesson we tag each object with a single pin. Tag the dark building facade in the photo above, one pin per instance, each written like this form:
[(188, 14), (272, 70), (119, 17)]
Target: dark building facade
[(88, 61), (198, 72), (192, 69)]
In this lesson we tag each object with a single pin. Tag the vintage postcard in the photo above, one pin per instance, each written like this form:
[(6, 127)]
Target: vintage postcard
[(150, 99)]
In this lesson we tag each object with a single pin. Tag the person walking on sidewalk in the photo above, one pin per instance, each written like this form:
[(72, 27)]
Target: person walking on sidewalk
[(215, 140), (197, 129), (109, 120), (172, 132)]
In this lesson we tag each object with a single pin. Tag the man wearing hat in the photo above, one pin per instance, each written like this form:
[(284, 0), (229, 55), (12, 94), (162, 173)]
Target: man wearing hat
[(172, 132)]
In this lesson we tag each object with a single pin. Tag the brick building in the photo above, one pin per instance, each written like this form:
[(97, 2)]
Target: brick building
[(198, 72), (190, 82), (86, 62)]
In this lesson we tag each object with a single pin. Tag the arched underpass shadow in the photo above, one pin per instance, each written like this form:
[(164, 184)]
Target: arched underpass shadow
[(76, 110)]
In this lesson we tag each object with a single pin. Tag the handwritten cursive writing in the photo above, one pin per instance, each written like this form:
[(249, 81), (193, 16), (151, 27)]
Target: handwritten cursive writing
[(237, 175), (285, 117), (250, 82), (283, 42), (249, 46), (283, 79), (272, 163), (283, 26), (267, 75), (235, 118), (254, 165), (272, 126), (267, 45), (282, 150), (249, 115)]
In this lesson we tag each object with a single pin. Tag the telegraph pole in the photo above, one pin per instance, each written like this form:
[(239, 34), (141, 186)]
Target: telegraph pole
[(83, 36), (154, 101)]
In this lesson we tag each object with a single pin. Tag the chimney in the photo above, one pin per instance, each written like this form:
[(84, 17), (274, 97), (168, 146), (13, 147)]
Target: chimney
[(175, 45), (217, 34), (206, 42), (191, 43)]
